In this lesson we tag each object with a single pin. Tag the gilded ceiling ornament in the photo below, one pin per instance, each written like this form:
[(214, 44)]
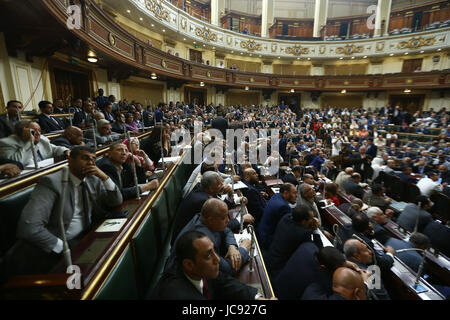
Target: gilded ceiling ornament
[(252, 80), (349, 49), (208, 74), (164, 64), (415, 43), (296, 82), (251, 45), (157, 9), (297, 50), (206, 34)]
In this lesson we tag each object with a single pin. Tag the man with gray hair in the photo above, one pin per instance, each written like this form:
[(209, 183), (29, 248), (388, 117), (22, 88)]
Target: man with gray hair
[(103, 134), (211, 185), (18, 146), (306, 198), (343, 176)]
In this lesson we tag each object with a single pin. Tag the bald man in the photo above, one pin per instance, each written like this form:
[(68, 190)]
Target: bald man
[(349, 284), (213, 221), (256, 201), (72, 137), (343, 176)]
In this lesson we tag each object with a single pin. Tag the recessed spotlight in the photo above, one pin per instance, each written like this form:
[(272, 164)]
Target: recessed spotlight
[(184, 39), (250, 55), (142, 19), (164, 30), (421, 51), (298, 58), (353, 57), (242, 53), (204, 45), (407, 91), (406, 53), (279, 57), (247, 88), (341, 58), (391, 54), (364, 57), (153, 25), (153, 76), (129, 11), (202, 84), (309, 58), (292, 91), (195, 42), (232, 51), (344, 91), (439, 49)]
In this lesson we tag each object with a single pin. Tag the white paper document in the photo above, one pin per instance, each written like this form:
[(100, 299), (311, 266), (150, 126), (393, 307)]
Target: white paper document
[(111, 225), (170, 159), (239, 185)]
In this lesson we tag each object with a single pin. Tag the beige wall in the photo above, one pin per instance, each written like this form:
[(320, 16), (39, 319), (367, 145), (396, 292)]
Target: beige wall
[(236, 97), (144, 92)]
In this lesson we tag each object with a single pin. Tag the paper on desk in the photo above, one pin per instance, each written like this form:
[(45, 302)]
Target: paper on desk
[(46, 163), (170, 159), (237, 199), (245, 235), (111, 225), (239, 185)]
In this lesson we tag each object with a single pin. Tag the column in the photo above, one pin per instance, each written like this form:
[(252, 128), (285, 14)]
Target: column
[(267, 17), (383, 13), (320, 16), (217, 7)]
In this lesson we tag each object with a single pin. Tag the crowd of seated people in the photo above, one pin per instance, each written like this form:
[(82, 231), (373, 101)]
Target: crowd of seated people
[(329, 151)]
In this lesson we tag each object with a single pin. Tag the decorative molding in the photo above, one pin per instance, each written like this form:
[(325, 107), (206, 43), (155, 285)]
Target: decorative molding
[(158, 10), (297, 50), (380, 46), (112, 39), (206, 34), (350, 49), (415, 43), (251, 45)]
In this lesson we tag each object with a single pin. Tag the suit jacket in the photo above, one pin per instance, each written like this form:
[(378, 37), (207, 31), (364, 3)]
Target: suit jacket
[(378, 294), (411, 258), (256, 202), (6, 128), (89, 134), (174, 285), (48, 125), (38, 222), (80, 117), (362, 166), (14, 148), (220, 124), (408, 217), (118, 127), (406, 178), (288, 236), (275, 209), (298, 273), (351, 187), (222, 240), (321, 291), (127, 188), (372, 150), (108, 116), (146, 118), (439, 236)]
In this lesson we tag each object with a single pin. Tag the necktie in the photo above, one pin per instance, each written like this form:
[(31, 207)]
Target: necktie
[(56, 122), (84, 196), (205, 290), (39, 157)]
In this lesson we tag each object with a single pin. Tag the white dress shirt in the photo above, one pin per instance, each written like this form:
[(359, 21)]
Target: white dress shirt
[(428, 186)]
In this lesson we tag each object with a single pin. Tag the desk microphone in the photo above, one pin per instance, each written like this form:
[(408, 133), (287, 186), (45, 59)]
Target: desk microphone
[(33, 150), (416, 286)]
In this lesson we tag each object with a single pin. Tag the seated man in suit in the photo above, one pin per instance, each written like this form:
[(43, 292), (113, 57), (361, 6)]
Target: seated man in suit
[(256, 201), (306, 197), (429, 185), (292, 230), (211, 186), (351, 208), (362, 228), (83, 118), (213, 221), (107, 112), (343, 176), (196, 274), (359, 253), (72, 137), (10, 118), (103, 134), (390, 167), (412, 259), (46, 121), (408, 217), (351, 186), (18, 146), (278, 206), (439, 235), (89, 195), (376, 197), (117, 166), (405, 175), (378, 219), (119, 125), (294, 176)]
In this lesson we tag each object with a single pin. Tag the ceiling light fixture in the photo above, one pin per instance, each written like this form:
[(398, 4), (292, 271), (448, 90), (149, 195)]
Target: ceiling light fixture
[(92, 57), (421, 51), (153, 76), (407, 91), (344, 91), (247, 88), (129, 11), (202, 84), (292, 91), (391, 54), (406, 53), (341, 58)]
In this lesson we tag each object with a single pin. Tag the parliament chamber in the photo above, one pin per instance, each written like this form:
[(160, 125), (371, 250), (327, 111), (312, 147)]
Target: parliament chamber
[(224, 150)]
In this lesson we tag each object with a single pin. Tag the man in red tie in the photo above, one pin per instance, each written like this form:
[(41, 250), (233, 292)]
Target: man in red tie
[(196, 274)]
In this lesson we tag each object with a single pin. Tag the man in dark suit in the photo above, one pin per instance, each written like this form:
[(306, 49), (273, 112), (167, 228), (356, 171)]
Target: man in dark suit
[(72, 137), (371, 148), (439, 235), (412, 259), (116, 165), (87, 194), (196, 274), (46, 121), (276, 208), (256, 201), (408, 217), (405, 175), (213, 221), (292, 230), (12, 116), (351, 186), (107, 112), (83, 119), (362, 164)]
